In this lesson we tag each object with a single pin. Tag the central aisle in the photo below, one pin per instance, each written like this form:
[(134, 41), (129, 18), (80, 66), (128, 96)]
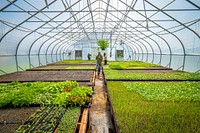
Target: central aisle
[(99, 114)]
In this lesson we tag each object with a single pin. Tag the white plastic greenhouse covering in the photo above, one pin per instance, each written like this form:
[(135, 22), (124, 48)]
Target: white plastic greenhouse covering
[(38, 32)]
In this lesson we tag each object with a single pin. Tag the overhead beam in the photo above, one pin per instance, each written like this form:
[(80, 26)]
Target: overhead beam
[(175, 20), (192, 3), (37, 21), (24, 21), (90, 9), (7, 5), (124, 16), (75, 19), (135, 10), (104, 23)]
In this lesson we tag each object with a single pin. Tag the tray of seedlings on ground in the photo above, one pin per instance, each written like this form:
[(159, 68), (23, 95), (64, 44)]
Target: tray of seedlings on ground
[(68, 65), (44, 120), (17, 94), (155, 107), (69, 120), (12, 118), (81, 67), (131, 65), (74, 62), (54, 97), (48, 67), (117, 75), (113, 74)]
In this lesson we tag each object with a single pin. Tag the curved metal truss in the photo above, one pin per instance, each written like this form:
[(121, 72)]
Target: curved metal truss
[(145, 26)]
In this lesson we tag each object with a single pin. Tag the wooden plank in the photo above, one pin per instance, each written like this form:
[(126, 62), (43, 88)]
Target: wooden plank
[(84, 120)]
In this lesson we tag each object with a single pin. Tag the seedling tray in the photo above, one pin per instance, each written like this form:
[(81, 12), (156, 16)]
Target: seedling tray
[(31, 76)]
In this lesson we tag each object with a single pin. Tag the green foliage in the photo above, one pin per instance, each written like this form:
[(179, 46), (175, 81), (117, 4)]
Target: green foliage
[(68, 85), (79, 95), (78, 100), (115, 74), (103, 43), (166, 91), (81, 91), (22, 97), (61, 99), (68, 121), (17, 94), (45, 98), (83, 67), (5, 99), (75, 61), (130, 65), (42, 93), (135, 114)]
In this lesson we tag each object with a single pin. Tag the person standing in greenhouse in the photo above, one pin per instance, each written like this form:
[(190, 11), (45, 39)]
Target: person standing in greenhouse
[(89, 56), (99, 59), (129, 57), (105, 59)]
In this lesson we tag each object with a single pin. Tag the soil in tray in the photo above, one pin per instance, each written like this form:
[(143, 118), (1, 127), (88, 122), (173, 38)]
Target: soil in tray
[(47, 76), (49, 67), (8, 128), (75, 62), (67, 67), (16, 114), (12, 118)]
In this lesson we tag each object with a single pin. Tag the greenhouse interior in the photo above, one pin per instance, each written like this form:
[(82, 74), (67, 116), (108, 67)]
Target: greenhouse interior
[(99, 66)]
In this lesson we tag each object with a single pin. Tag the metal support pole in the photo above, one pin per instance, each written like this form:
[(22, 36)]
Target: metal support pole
[(3, 71), (16, 61)]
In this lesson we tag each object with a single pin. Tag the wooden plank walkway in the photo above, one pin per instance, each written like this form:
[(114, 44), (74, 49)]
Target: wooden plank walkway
[(100, 115)]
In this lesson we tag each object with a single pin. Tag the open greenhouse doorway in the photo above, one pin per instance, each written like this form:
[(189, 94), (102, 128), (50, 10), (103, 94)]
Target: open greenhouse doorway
[(119, 55), (78, 54)]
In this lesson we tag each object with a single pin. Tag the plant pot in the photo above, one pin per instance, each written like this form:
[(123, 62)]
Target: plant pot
[(102, 48)]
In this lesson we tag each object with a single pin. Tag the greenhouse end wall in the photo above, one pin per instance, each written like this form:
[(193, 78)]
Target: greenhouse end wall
[(9, 64)]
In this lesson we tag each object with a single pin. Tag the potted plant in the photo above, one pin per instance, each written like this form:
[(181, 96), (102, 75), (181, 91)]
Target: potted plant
[(103, 44)]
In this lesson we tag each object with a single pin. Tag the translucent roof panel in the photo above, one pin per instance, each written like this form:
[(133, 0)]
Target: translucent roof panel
[(148, 26)]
